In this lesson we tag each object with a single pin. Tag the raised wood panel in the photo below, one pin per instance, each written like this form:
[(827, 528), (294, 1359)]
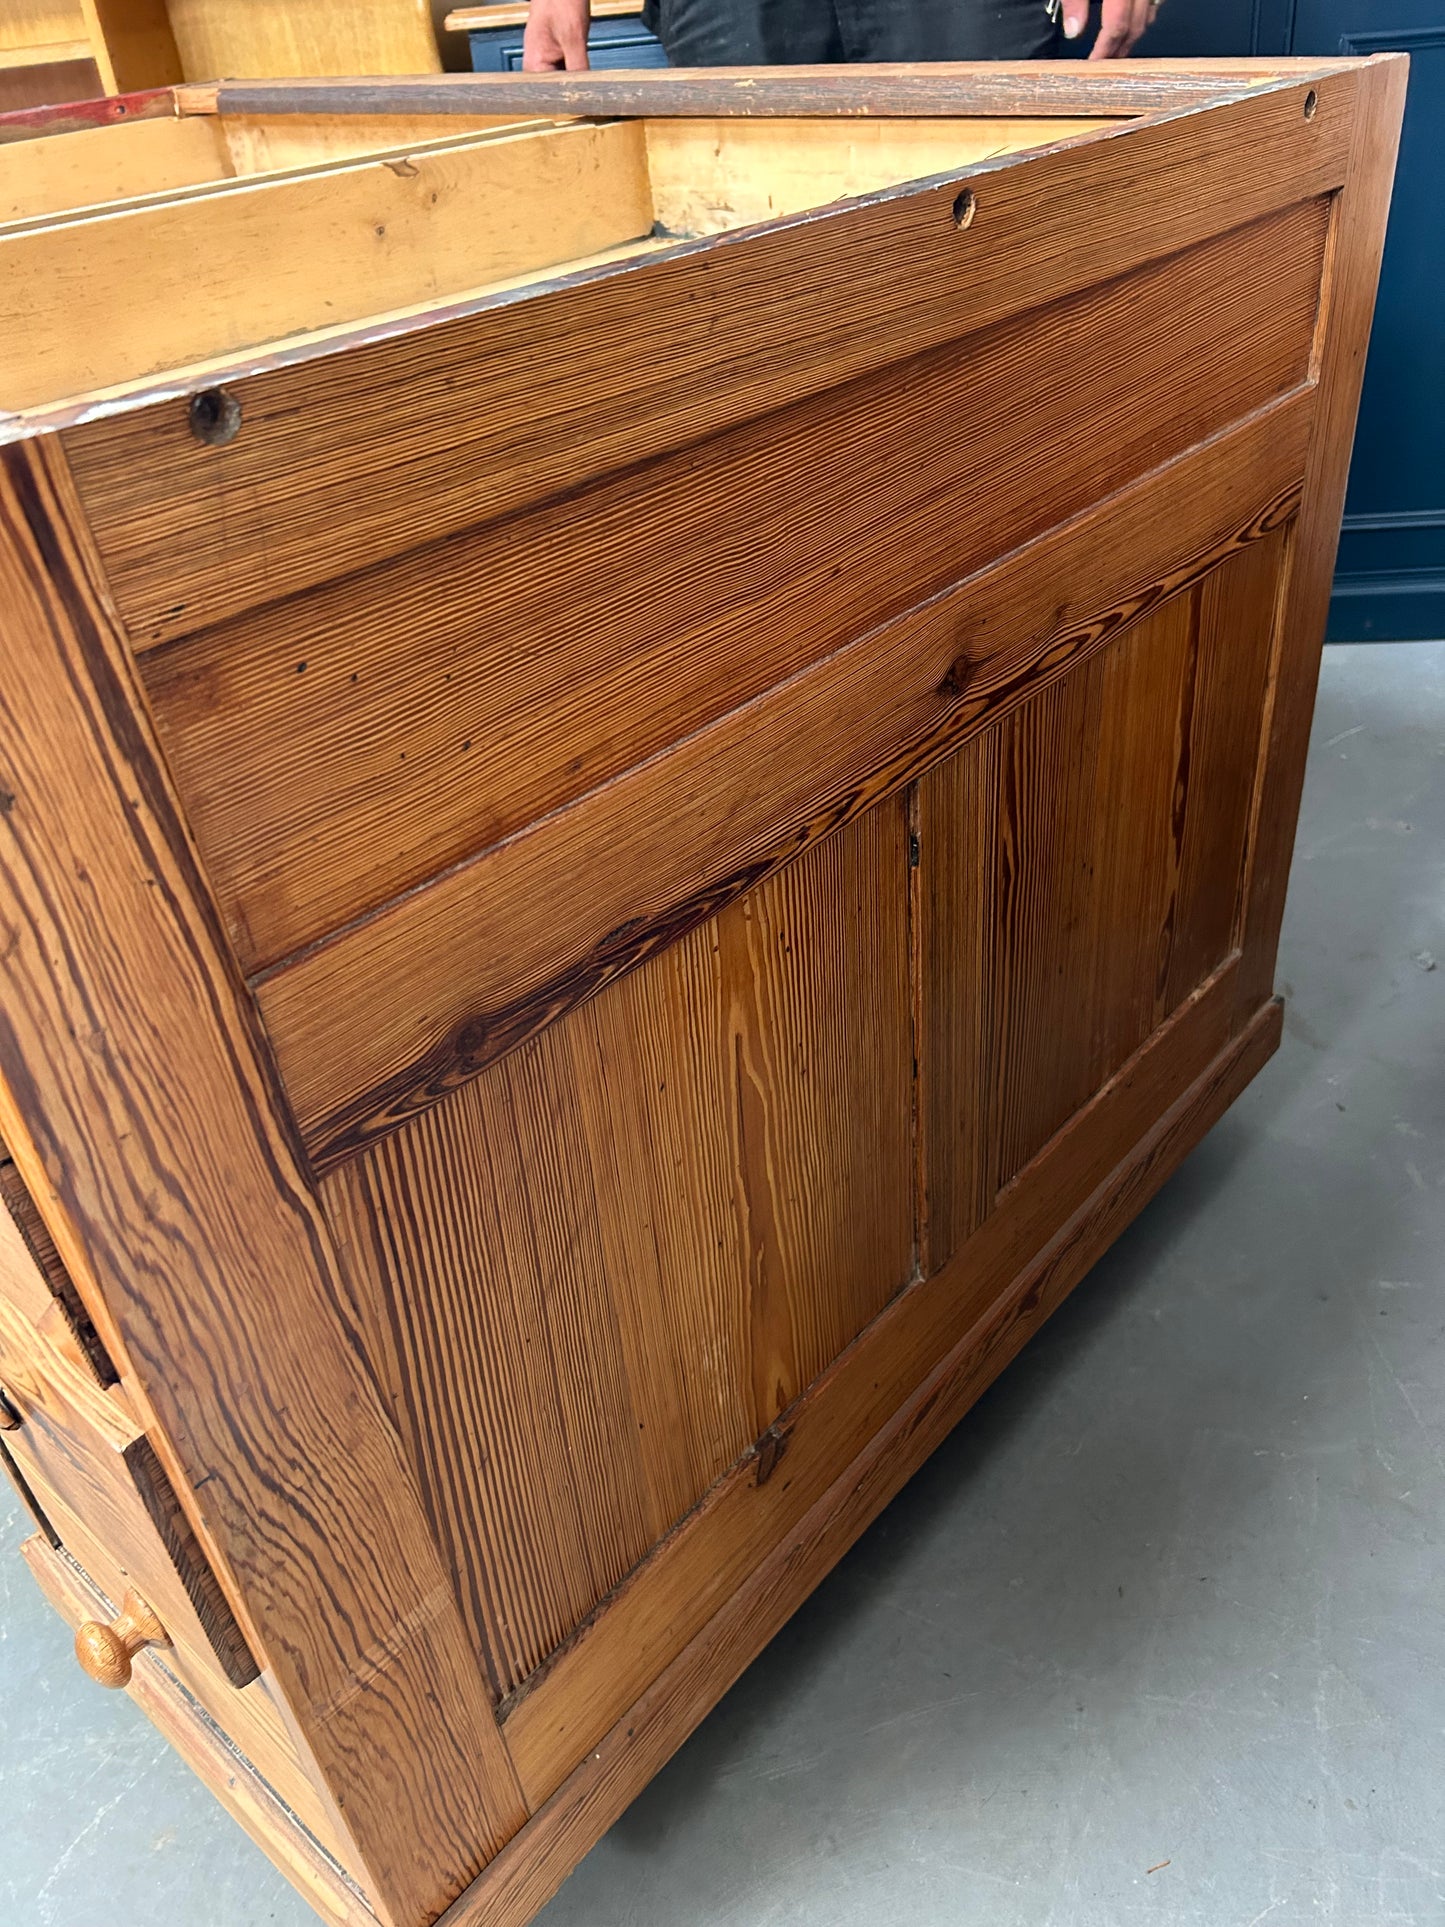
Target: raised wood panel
[(404, 1007), (337, 749), (1085, 868), (342, 455), (1080, 873), (1065, 950), (622, 1650), (1238, 620), (600, 1272), (967, 1356)]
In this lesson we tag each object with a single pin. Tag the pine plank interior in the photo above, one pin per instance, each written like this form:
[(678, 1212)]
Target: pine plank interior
[(314, 234), (650, 793)]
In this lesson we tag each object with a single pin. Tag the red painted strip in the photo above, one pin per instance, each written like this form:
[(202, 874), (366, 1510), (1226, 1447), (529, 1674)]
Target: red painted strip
[(76, 116)]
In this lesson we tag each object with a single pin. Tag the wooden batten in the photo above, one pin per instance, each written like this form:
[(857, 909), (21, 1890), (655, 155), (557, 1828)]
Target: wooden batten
[(260, 143), (56, 174), (236, 265), (875, 90), (59, 172)]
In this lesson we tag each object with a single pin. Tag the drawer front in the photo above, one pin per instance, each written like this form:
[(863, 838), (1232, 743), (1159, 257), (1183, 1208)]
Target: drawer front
[(97, 1488), (237, 1783), (94, 1473)]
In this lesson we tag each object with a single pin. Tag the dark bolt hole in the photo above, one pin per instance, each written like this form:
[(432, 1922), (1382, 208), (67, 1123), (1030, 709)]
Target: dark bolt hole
[(215, 416), (965, 207), (1312, 101)]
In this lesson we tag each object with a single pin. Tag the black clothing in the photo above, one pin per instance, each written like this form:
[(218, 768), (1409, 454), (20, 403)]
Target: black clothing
[(767, 33)]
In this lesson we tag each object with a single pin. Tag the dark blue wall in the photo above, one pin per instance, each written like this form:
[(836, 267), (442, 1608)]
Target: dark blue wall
[(1391, 576)]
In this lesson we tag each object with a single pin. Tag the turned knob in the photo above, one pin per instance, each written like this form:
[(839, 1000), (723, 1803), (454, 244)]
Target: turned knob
[(105, 1652)]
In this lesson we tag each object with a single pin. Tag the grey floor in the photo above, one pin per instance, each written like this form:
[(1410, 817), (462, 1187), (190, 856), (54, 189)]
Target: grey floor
[(1157, 1636)]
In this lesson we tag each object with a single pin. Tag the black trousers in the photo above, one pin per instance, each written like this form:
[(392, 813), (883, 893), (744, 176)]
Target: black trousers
[(767, 33)]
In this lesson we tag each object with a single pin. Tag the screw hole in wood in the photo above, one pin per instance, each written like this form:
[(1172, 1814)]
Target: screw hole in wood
[(215, 416), (1312, 101), (965, 206)]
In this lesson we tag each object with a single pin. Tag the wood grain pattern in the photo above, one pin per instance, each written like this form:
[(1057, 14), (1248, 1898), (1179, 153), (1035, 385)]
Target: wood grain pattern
[(170, 1183), (464, 19), (613, 1659), (258, 145), (231, 265), (39, 23), (339, 450), (211, 1752), (1237, 618), (1119, 900), (711, 1162), (454, 976), (133, 43), (956, 831), (729, 1092), (304, 738), (304, 37), (533, 1866), (1050, 865), (1348, 302), (1088, 774), (84, 1346)]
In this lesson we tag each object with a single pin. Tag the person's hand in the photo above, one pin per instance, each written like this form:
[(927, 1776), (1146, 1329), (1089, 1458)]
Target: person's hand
[(1122, 23), (556, 36)]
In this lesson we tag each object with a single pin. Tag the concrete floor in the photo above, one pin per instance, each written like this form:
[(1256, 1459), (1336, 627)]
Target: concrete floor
[(1157, 1636)]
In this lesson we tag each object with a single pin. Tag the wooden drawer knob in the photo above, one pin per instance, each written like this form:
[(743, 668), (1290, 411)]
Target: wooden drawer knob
[(105, 1652)]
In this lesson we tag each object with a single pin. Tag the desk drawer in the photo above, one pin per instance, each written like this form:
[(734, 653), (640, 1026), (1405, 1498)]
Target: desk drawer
[(92, 1478)]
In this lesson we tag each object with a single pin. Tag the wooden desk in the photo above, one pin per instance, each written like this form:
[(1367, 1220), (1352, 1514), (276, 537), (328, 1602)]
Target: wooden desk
[(648, 779)]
